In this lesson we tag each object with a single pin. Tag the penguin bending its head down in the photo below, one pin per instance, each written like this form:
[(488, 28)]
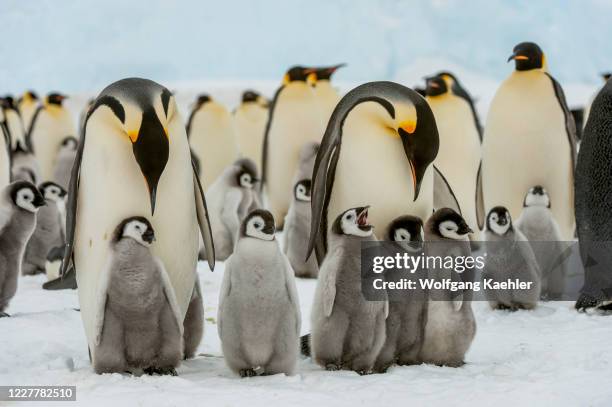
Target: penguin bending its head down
[(138, 320), (378, 147), (530, 140), (450, 326), (259, 311), (134, 147), (19, 203)]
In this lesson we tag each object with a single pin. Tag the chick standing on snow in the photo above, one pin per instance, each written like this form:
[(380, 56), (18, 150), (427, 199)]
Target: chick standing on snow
[(259, 311), (138, 320), (49, 233), (230, 198), (348, 331), (297, 232), (19, 203), (509, 256)]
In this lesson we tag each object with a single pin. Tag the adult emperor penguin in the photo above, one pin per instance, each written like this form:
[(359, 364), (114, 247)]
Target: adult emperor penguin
[(457, 88), (459, 154), (325, 93), (378, 147), (530, 140), (13, 122), (50, 125), (212, 138), (27, 104), (295, 119), (134, 158), (5, 153), (250, 120)]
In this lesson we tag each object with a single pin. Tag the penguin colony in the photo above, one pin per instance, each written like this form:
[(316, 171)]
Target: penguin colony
[(330, 171)]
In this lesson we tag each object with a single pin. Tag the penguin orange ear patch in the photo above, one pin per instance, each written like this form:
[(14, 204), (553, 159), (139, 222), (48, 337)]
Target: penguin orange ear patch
[(409, 126)]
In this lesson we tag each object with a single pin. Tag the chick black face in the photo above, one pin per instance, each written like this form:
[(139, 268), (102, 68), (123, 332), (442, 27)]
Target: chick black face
[(52, 191), (527, 56), (353, 222), (26, 196), (136, 227), (259, 224), (436, 86), (301, 191), (499, 221), (537, 196), (405, 229), (448, 224), (246, 176)]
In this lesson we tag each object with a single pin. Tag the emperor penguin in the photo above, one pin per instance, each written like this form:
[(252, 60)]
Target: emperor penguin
[(212, 138), (19, 203), (348, 331), (138, 320), (259, 310), (405, 324), (530, 140), (378, 147), (49, 231), (592, 189), (539, 227), (295, 119), (459, 90), (450, 327), (27, 104), (64, 161), (327, 96), (250, 120), (509, 257), (134, 158), (51, 123), (230, 198), (5, 153), (13, 122), (459, 154)]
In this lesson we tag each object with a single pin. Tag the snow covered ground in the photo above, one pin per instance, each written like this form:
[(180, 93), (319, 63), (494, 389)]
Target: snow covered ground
[(553, 356)]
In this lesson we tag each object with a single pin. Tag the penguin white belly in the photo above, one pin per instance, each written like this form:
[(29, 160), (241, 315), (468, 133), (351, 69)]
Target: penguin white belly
[(373, 170), (526, 144), (51, 127), (5, 169), (459, 154), (250, 124), (112, 188), (27, 111), (296, 121), (213, 141), (328, 99)]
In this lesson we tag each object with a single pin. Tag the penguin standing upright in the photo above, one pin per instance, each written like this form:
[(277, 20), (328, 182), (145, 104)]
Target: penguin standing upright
[(459, 154), (65, 159), (327, 96), (212, 138), (13, 122), (378, 147), (50, 125), (134, 158), (457, 88), (27, 105), (530, 140), (295, 119), (250, 120), (5, 153)]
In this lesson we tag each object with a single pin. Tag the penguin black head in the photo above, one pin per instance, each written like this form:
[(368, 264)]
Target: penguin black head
[(201, 100), (527, 56), (405, 229), (52, 191), (301, 191), (29, 95), (250, 96), (606, 75), (436, 86), (55, 98), (142, 110), (70, 143), (8, 102), (26, 196), (499, 221), (299, 74), (137, 228), (353, 222), (445, 223), (325, 73), (259, 224), (537, 196), (246, 176)]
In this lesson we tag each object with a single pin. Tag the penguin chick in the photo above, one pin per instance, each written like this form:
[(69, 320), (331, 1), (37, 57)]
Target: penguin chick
[(193, 325), (64, 161), (138, 320), (297, 232), (230, 198), (450, 325), (542, 231), (259, 312), (348, 331), (19, 203), (405, 324), (509, 257), (48, 233)]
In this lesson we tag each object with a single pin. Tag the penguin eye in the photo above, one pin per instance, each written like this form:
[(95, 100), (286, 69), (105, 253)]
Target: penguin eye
[(349, 216), (257, 225)]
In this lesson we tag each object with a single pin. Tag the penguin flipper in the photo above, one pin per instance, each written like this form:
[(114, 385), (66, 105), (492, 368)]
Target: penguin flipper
[(170, 296), (203, 220), (570, 125), (444, 197), (480, 209)]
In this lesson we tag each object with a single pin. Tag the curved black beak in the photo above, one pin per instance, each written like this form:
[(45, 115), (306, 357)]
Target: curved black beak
[(39, 201), (151, 150), (148, 236), (464, 229)]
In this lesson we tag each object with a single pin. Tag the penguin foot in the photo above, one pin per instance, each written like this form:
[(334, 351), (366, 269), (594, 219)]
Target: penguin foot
[(247, 373), (305, 345), (332, 367), (584, 302), (364, 372), (63, 282), (161, 371), (4, 315)]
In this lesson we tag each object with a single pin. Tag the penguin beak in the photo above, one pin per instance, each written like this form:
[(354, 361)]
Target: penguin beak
[(517, 57), (151, 150), (362, 218), (406, 129), (39, 201), (464, 229), (148, 236)]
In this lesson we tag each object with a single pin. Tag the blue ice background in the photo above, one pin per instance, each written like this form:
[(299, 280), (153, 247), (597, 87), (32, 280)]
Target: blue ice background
[(72, 45)]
